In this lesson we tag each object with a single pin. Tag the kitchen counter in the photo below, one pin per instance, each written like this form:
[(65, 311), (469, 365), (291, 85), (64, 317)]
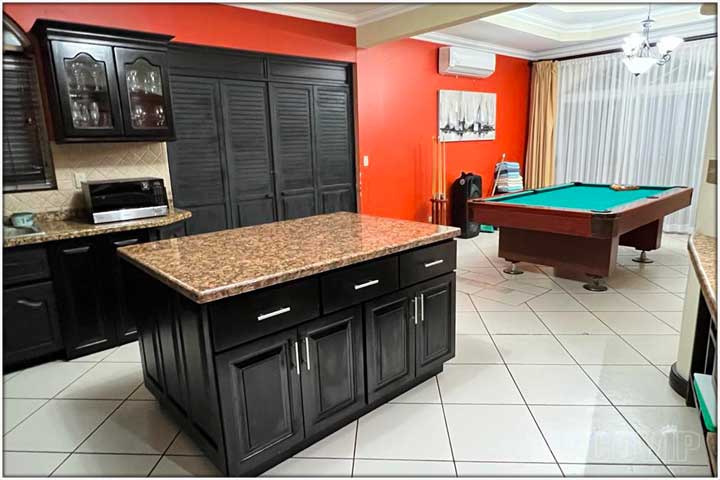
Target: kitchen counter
[(62, 229), (216, 265), (703, 256)]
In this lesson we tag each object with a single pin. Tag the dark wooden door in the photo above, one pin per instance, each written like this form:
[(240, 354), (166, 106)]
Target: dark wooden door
[(196, 156), (30, 323), (435, 330), (291, 121), (389, 343), (333, 376), (335, 161), (79, 281), (144, 92), (87, 89), (261, 400), (247, 147)]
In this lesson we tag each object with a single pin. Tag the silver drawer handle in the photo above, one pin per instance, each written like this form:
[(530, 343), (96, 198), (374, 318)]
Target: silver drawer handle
[(367, 284), (432, 264), (422, 307), (28, 303), (265, 316), (297, 359), (307, 352), (415, 306)]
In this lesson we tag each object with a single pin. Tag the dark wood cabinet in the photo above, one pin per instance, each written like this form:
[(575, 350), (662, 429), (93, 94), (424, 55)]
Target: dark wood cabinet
[(333, 373), (106, 84), (261, 399), (30, 323), (436, 323)]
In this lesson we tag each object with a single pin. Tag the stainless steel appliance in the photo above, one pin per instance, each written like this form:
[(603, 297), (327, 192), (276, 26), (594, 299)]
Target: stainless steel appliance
[(127, 199)]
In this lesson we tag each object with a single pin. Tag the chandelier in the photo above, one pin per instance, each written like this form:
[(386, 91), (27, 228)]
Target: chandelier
[(639, 56)]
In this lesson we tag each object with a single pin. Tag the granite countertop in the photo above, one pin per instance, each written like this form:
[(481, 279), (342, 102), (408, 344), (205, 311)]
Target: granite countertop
[(216, 265), (63, 229), (703, 256)]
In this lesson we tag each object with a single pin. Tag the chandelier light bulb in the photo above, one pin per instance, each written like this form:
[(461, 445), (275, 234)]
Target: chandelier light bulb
[(639, 65), (668, 44)]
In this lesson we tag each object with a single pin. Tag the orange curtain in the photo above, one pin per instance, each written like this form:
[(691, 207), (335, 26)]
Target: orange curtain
[(540, 155)]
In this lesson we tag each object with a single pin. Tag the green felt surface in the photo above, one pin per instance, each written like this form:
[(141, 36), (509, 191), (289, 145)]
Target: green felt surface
[(583, 197)]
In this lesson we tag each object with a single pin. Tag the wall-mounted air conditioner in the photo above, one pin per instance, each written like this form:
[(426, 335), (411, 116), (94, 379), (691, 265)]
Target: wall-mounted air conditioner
[(465, 62)]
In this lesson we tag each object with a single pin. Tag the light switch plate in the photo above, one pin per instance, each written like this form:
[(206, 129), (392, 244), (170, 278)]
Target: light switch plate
[(366, 161)]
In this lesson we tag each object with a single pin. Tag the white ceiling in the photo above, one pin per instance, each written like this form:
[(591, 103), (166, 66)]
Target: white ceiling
[(534, 32)]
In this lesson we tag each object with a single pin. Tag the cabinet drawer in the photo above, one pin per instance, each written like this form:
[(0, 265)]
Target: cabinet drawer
[(359, 283), (246, 317), (25, 265), (427, 262)]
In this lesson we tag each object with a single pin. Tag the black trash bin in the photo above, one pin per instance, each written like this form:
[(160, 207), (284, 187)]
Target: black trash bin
[(467, 186)]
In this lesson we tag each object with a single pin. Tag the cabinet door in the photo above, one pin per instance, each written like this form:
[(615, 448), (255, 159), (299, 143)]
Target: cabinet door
[(291, 118), (87, 89), (85, 326), (195, 157), (247, 149), (144, 93), (30, 323), (390, 344), (436, 323), (261, 400), (335, 161), (333, 376)]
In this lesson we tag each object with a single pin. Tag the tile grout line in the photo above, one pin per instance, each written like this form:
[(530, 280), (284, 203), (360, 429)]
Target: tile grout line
[(162, 455), (357, 429), (447, 427)]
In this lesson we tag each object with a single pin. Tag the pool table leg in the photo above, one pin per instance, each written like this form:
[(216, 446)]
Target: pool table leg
[(513, 269), (597, 284), (643, 258), (644, 238)]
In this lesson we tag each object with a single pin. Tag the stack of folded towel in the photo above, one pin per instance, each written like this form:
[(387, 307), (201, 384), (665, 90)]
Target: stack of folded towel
[(508, 178)]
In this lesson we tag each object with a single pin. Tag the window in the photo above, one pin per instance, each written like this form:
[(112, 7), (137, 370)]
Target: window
[(27, 163)]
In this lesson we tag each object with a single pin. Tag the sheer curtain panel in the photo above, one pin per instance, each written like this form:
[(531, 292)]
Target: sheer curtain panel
[(614, 127)]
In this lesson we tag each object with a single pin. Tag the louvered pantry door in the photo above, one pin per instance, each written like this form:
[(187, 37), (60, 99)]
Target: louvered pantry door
[(247, 147), (291, 119)]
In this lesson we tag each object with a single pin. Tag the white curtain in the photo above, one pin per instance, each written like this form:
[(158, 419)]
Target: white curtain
[(614, 127)]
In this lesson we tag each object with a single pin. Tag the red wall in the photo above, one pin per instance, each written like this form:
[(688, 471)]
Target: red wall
[(397, 93), (396, 89)]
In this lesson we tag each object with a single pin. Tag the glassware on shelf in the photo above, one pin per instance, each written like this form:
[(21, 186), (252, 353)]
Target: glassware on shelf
[(95, 114), (159, 116), (88, 93)]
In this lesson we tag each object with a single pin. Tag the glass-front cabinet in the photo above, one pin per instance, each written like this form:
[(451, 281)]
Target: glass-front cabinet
[(106, 84)]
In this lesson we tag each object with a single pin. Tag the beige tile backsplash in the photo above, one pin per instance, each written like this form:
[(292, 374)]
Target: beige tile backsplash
[(99, 161)]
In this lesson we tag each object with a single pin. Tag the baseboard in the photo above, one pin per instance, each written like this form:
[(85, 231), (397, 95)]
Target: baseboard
[(678, 383)]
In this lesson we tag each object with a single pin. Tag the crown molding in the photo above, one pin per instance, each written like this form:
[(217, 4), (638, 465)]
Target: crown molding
[(319, 14), (457, 41)]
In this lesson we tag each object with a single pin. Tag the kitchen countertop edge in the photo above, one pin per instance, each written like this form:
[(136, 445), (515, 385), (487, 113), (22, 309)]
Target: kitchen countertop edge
[(703, 256)]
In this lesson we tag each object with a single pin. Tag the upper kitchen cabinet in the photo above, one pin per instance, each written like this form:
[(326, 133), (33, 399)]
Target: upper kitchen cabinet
[(106, 84)]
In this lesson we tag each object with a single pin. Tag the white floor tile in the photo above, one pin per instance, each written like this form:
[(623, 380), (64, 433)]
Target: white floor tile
[(463, 303), (426, 392), (478, 384), (601, 350), (634, 385), (659, 349), (555, 302), (130, 352), (531, 281), (95, 357), (184, 445), (578, 470), (10, 375), (27, 464), (340, 444), (495, 433), (666, 302), (486, 305), (473, 261), (136, 427), (179, 466), (469, 323), (106, 381), (402, 468), (690, 471), (513, 323), (59, 425), (556, 385), (674, 433), (642, 323), (572, 285), (487, 275), (403, 431), (631, 282), (15, 410), (579, 434), (142, 393), (99, 465), (475, 349), (573, 323), (44, 381), (531, 349), (503, 294), (608, 302), (653, 272), (674, 319), (673, 285), (466, 285), (488, 469)]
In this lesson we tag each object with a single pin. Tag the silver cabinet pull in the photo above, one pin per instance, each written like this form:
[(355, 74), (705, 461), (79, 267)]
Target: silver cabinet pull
[(422, 307), (297, 359), (432, 264), (28, 303), (367, 284), (415, 304), (265, 316), (307, 352)]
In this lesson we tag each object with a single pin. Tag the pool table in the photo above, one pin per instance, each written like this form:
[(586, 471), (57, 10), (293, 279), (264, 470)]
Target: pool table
[(577, 227)]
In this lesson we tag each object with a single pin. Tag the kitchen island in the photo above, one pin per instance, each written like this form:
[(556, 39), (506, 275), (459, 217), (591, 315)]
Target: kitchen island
[(262, 340)]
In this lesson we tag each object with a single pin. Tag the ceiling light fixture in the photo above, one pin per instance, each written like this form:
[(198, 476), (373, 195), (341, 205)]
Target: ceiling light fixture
[(639, 56)]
